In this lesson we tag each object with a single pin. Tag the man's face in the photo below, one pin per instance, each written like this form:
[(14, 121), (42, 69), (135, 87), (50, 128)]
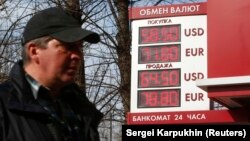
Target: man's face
[(59, 62)]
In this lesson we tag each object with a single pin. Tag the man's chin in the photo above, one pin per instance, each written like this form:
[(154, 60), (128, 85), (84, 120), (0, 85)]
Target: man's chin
[(68, 79)]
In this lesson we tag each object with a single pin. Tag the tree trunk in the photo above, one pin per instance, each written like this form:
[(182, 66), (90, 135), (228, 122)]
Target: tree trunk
[(123, 51)]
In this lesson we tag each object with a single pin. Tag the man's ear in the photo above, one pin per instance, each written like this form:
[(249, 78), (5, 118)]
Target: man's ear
[(33, 51)]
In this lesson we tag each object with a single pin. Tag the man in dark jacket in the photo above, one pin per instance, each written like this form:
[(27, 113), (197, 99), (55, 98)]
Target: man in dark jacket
[(40, 101)]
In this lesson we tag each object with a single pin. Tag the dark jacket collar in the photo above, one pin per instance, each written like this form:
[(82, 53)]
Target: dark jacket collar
[(21, 98)]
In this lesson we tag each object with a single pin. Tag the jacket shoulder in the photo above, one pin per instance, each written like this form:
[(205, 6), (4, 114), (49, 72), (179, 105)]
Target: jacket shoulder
[(5, 89)]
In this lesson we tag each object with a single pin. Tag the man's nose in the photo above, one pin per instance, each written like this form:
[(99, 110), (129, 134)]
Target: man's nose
[(76, 55)]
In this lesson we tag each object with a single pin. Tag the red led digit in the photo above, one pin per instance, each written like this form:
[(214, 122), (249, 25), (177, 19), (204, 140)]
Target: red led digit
[(145, 54), (174, 34), (144, 98), (153, 96), (155, 54), (165, 34), (144, 34), (174, 53), (154, 32), (154, 78), (174, 97), (164, 98), (164, 54), (174, 77), (143, 79), (165, 78)]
